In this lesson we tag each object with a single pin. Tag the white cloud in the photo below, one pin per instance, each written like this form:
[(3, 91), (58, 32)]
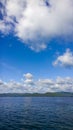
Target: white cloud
[(65, 60), (4, 28), (33, 20), (37, 47), (28, 76), (29, 85)]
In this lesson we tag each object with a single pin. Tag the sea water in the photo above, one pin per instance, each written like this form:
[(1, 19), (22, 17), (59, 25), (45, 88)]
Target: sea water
[(36, 113)]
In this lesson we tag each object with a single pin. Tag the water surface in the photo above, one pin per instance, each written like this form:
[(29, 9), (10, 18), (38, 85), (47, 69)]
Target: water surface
[(36, 113)]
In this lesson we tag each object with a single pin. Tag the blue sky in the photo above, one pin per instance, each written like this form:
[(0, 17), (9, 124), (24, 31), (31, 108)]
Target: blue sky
[(17, 59), (39, 45)]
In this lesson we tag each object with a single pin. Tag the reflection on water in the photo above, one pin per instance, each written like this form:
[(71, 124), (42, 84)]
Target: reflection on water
[(36, 113)]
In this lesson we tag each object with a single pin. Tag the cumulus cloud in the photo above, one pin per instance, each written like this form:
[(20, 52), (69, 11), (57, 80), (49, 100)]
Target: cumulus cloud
[(28, 76), (65, 60), (34, 20), (29, 85)]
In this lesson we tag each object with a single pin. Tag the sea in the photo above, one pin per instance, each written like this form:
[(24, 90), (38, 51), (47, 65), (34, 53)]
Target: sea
[(36, 113)]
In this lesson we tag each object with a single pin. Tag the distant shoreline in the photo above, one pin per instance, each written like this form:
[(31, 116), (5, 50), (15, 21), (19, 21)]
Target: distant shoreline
[(55, 94)]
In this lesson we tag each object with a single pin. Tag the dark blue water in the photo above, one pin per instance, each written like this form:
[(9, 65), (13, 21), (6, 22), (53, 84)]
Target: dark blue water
[(36, 113)]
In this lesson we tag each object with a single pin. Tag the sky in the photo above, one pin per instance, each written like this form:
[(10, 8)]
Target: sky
[(36, 46)]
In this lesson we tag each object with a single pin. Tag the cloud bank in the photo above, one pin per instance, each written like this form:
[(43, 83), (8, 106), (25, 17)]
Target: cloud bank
[(29, 85), (37, 20)]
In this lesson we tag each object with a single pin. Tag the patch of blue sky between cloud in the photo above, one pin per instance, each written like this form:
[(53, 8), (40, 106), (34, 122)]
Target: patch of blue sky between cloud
[(31, 20)]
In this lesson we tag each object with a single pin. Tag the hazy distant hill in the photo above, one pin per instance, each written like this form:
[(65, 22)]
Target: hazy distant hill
[(48, 94)]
